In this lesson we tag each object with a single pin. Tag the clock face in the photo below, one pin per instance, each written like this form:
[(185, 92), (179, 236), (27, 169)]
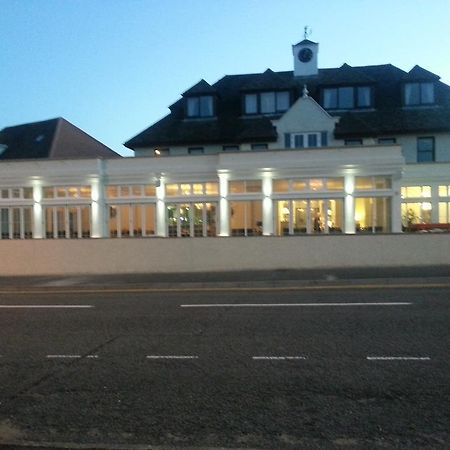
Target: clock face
[(305, 55)]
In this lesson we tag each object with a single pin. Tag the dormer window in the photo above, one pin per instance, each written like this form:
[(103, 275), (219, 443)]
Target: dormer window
[(201, 106), (419, 94), (347, 97), (266, 102)]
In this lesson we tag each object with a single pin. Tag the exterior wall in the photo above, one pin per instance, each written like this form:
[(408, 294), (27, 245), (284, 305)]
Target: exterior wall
[(66, 257), (409, 146)]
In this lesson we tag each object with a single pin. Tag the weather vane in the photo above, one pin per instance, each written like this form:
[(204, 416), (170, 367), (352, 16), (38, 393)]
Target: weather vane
[(308, 32)]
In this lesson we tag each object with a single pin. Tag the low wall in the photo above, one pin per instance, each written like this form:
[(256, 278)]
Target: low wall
[(159, 255)]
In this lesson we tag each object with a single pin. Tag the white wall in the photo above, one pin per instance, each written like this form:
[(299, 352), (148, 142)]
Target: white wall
[(159, 255)]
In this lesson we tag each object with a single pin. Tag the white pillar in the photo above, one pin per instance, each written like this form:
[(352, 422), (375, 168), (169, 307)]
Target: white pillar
[(349, 206), (161, 228), (267, 206), (99, 210), (396, 205), (224, 215), (38, 220)]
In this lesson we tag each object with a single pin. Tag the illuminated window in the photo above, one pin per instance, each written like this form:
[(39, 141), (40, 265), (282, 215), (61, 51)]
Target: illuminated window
[(373, 215), (416, 191)]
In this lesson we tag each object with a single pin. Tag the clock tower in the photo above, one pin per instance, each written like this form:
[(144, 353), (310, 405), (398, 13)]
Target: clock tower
[(305, 58)]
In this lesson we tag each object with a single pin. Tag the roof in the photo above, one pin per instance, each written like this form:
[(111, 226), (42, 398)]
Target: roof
[(231, 127), (50, 139), (305, 42), (418, 73), (201, 88)]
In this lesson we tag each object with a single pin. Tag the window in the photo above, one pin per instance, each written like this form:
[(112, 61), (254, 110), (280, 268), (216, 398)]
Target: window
[(72, 192), (444, 212), (425, 149), (305, 140), (266, 102), (191, 219), (246, 218), (72, 221), (416, 191), (353, 142), (230, 148), (16, 193), (349, 97), (373, 215), (444, 191), (387, 141), (243, 187), (16, 223), (415, 213), (135, 190), (315, 216), (201, 106), (419, 94), (259, 147), (186, 189), (196, 150), (308, 185), (371, 183)]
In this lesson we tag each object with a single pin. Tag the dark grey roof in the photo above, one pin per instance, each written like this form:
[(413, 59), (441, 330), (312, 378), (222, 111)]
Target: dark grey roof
[(305, 41), (201, 88), (418, 73), (53, 139), (231, 127)]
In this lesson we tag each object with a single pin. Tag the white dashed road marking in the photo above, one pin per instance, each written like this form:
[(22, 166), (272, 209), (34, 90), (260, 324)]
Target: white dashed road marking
[(71, 356), (266, 305), (45, 306), (171, 357), (398, 358), (279, 358)]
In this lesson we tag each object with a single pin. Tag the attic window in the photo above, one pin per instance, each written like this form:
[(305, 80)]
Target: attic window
[(266, 102), (201, 106), (40, 138), (419, 94), (3, 147), (348, 97)]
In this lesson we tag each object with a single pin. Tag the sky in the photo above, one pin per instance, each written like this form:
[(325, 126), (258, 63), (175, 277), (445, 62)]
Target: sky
[(113, 67)]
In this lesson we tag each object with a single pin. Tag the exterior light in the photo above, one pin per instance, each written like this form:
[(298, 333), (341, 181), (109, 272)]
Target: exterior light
[(157, 152)]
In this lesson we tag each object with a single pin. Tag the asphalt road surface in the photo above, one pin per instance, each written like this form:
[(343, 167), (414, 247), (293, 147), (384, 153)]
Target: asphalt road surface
[(264, 369)]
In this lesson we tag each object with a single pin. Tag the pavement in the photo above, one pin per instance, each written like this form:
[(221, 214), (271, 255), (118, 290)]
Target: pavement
[(228, 279)]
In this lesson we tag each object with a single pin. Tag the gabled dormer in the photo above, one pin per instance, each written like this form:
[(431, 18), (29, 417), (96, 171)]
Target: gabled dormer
[(418, 87), (266, 94), (347, 89), (200, 101)]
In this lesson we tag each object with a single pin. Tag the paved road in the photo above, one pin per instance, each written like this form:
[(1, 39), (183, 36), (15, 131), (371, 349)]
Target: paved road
[(303, 368)]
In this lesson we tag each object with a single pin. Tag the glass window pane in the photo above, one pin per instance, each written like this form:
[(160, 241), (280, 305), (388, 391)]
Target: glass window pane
[(198, 219), (426, 191), (280, 186), (61, 192), (27, 223), (85, 221), (111, 191), (253, 186), (185, 189), (85, 192), (364, 215), (251, 104), (346, 98), (211, 219), (150, 219), (317, 214), (137, 220), (73, 222), (427, 93), (171, 190), (197, 188), (267, 102), (124, 191), (330, 98), (382, 183), (237, 187), (124, 219), (282, 101), (61, 222), (15, 193), (382, 215), (16, 223), (149, 190), (299, 141), (364, 183), (283, 214), (312, 140), (316, 184), (335, 184), (27, 192), (299, 216), (443, 218), (335, 216), (412, 93), (136, 191), (442, 191), (364, 97), (193, 106), (212, 188), (206, 106), (298, 185), (5, 193), (72, 192)]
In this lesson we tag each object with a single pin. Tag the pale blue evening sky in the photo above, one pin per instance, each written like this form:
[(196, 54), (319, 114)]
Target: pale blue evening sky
[(112, 67)]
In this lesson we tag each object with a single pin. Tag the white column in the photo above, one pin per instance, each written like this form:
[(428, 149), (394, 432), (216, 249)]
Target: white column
[(38, 220), (349, 205), (267, 206), (161, 228), (99, 216), (396, 206), (224, 215)]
